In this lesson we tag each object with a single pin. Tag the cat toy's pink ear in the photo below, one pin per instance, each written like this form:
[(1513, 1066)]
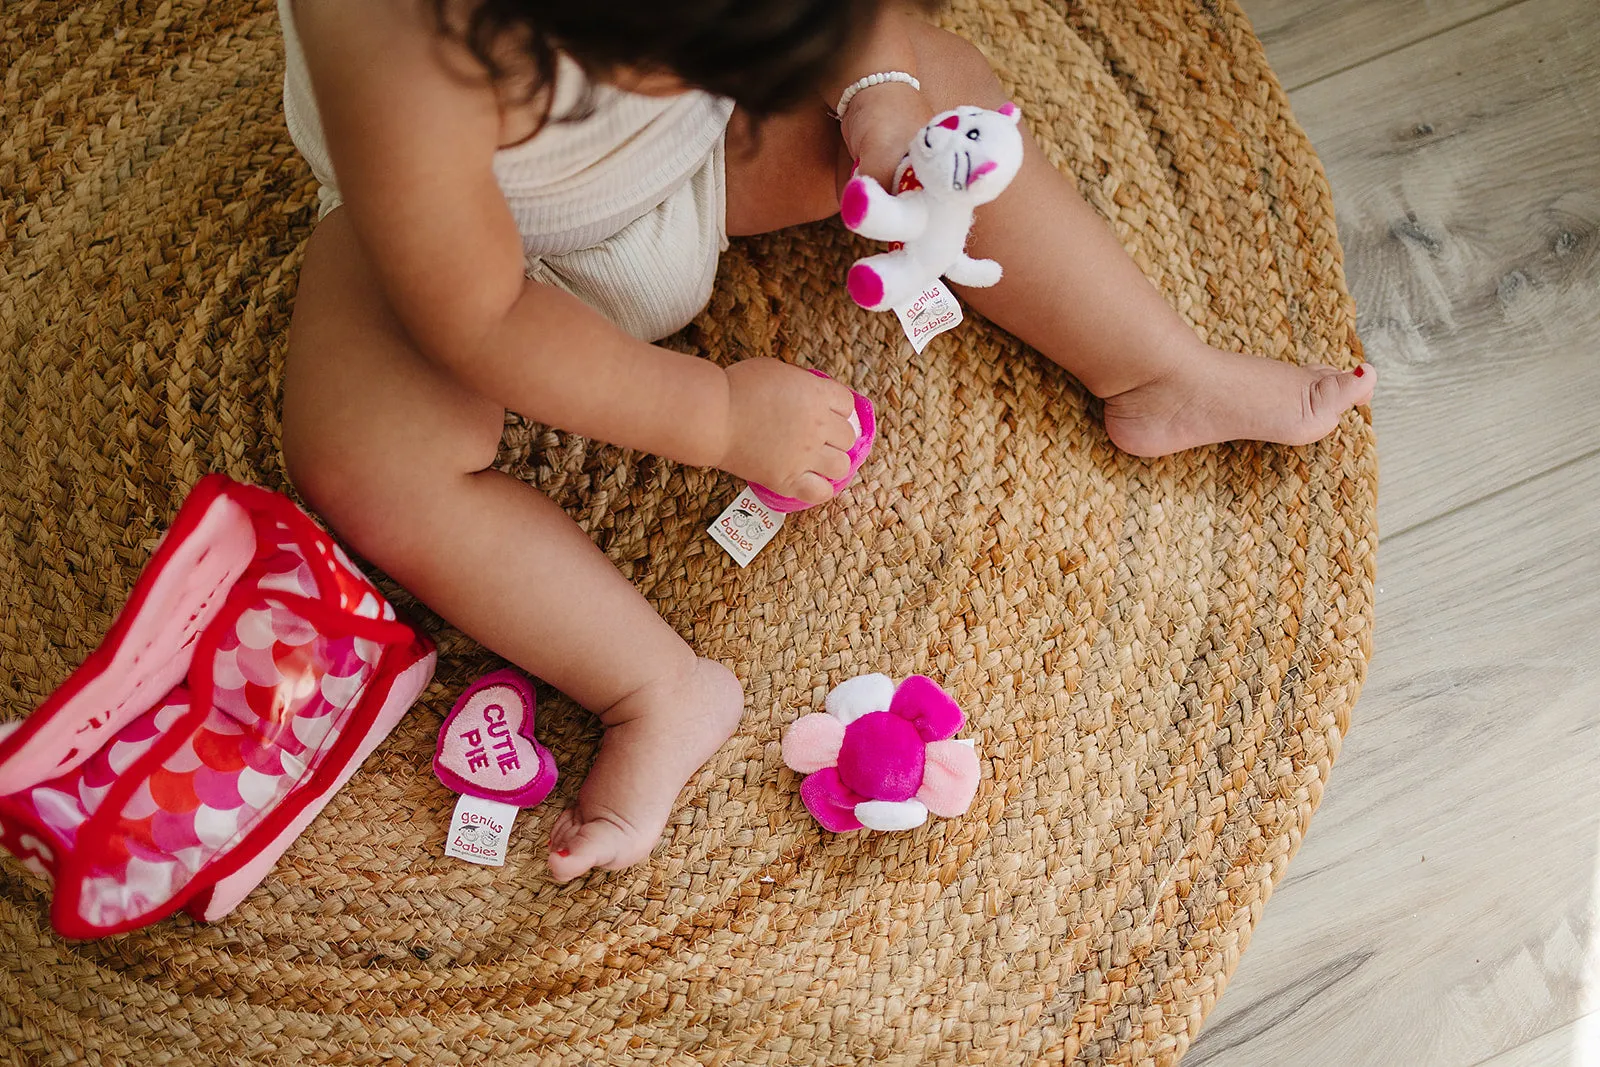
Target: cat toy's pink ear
[(1010, 111)]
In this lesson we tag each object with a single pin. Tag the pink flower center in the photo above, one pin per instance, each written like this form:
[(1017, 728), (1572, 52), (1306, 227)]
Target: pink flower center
[(882, 757)]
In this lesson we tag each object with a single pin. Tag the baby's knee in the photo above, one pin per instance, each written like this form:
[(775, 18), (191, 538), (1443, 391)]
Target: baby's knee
[(363, 485), (338, 478)]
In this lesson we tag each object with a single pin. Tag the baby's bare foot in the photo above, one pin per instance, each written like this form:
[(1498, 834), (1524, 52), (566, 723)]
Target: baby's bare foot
[(658, 737), (1214, 396)]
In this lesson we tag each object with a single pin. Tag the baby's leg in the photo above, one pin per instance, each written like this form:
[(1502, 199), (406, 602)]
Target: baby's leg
[(1072, 291), (395, 454)]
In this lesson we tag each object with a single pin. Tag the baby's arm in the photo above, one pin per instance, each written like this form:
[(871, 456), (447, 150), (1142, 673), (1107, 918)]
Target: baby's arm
[(881, 119), (412, 125)]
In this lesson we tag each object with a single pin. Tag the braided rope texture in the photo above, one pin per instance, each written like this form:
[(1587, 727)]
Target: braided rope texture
[(1158, 659)]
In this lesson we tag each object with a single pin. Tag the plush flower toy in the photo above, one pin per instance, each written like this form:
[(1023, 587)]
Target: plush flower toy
[(882, 757), (962, 159)]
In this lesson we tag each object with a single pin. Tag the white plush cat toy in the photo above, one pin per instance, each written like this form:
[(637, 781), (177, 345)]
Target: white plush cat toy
[(961, 159)]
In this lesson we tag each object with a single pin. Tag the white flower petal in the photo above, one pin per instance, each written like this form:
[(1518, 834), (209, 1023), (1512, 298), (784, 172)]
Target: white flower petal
[(891, 814), (860, 696)]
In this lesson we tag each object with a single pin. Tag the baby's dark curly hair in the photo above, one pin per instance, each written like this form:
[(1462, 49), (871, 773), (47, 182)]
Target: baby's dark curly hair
[(767, 55)]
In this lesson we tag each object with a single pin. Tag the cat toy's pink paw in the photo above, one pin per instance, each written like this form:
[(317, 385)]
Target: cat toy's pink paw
[(865, 286), (853, 203)]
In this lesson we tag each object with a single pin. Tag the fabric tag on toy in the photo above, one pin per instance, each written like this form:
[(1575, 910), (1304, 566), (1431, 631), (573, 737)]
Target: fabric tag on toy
[(745, 526), (487, 752), (480, 830), (934, 311)]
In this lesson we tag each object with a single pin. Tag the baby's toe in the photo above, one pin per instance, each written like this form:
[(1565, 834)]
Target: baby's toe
[(565, 826), (597, 843), (1331, 394)]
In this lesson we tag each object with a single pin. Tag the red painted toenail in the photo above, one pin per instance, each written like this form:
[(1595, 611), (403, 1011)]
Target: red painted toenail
[(1361, 372), (564, 853)]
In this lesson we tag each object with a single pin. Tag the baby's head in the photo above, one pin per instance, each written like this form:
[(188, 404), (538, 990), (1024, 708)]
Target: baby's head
[(767, 55)]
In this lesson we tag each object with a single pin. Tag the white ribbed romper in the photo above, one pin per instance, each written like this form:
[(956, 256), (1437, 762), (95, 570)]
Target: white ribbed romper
[(624, 209)]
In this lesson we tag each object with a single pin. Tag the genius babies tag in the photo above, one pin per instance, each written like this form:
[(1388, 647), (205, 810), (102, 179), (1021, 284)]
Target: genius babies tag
[(745, 527), (931, 312), (480, 831)]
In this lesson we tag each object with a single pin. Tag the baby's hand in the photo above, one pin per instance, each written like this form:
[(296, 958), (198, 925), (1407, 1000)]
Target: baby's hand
[(788, 429), (878, 125)]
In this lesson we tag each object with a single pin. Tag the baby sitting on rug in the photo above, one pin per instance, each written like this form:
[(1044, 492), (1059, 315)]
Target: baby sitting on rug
[(519, 195)]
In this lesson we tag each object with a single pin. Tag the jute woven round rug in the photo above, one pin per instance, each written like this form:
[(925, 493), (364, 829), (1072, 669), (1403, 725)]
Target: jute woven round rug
[(1158, 658)]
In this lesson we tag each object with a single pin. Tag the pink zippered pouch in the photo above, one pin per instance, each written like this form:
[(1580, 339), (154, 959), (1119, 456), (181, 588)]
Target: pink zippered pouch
[(251, 671)]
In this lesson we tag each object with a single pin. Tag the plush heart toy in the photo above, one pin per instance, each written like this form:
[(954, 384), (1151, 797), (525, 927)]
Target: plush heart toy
[(486, 745)]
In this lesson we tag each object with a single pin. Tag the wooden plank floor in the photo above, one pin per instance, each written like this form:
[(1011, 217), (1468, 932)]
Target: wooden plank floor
[(1445, 908)]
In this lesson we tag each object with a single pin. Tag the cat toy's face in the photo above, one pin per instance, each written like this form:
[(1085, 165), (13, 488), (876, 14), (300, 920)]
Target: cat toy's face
[(970, 151)]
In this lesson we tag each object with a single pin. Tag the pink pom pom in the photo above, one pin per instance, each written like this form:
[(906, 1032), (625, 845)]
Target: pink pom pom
[(813, 742), (950, 779)]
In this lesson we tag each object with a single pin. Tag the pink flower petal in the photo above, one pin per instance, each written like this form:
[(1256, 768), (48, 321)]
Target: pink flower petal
[(829, 802), (931, 710), (950, 778), (812, 742)]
